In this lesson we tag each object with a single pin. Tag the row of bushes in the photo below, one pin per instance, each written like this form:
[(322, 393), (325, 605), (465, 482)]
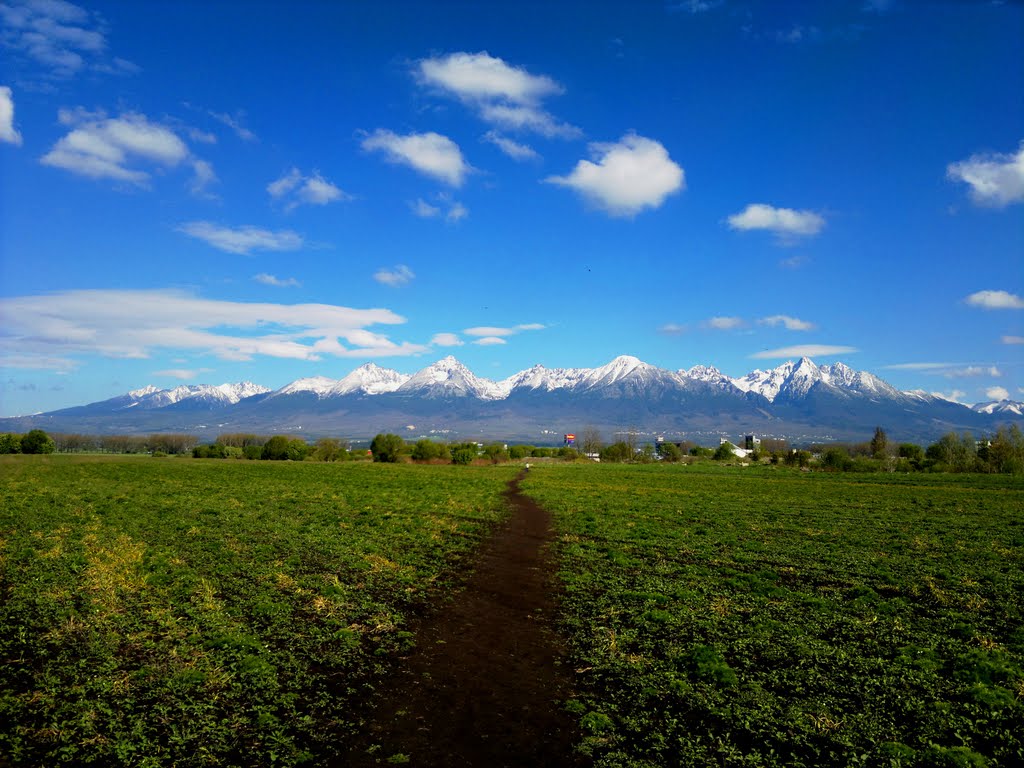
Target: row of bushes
[(390, 448), (277, 448)]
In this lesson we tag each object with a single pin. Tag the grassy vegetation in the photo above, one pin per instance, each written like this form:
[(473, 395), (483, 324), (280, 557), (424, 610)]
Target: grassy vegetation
[(767, 617), (158, 612)]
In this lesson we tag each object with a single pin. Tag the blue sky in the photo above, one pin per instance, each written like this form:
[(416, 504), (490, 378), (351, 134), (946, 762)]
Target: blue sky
[(197, 192)]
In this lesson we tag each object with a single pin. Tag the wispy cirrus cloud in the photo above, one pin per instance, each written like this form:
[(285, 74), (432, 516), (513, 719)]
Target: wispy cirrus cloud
[(277, 282), (8, 133), (996, 180), (502, 94), (295, 188), (182, 373), (493, 331), (455, 212), (400, 275), (242, 240), (235, 123), (58, 39), (1012, 339), (790, 323), (785, 223), (995, 300), (428, 153), (948, 370), (513, 149), (63, 327), (804, 350), (488, 341), (626, 177), (724, 323)]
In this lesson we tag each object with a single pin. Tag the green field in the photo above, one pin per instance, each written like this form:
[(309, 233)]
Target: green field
[(158, 612), (765, 617)]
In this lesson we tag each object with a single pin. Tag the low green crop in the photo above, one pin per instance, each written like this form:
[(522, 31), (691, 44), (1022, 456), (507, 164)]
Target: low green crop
[(767, 617), (215, 613)]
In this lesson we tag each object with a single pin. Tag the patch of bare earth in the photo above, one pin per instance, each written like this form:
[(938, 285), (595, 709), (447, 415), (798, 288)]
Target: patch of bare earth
[(485, 685)]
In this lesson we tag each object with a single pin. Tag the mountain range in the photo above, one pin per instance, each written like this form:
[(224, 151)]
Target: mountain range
[(798, 400)]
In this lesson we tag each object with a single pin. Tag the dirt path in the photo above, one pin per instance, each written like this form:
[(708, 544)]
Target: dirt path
[(484, 685)]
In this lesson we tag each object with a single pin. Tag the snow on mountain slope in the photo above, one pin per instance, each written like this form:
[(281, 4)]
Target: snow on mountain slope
[(370, 379), (450, 378), (624, 376), (1009, 407)]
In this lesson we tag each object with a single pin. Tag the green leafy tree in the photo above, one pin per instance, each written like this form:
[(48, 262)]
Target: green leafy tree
[(37, 441), (879, 444), (330, 449), (463, 454), (298, 449), (275, 449), (955, 453), (10, 443), (429, 450), (670, 452), (496, 453), (387, 448), (724, 452)]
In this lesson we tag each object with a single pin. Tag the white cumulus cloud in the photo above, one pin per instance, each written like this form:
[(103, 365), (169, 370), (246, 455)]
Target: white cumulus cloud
[(123, 148), (996, 180), (294, 189), (400, 275), (8, 133), (995, 300), (784, 222), (446, 340), (997, 393), (625, 177), (502, 94), (242, 240), (429, 153)]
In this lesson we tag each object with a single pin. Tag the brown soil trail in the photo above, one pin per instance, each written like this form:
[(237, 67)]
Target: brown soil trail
[(485, 683)]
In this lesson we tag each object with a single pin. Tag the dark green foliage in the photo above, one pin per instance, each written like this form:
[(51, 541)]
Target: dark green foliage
[(879, 445), (701, 452), (724, 452), (910, 451), (463, 454), (429, 450), (836, 459), (496, 453), (37, 441), (330, 449), (10, 443), (387, 448), (617, 452), (276, 448), (670, 452)]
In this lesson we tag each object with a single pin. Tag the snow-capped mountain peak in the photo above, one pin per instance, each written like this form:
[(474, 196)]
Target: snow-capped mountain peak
[(320, 386), (370, 379)]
